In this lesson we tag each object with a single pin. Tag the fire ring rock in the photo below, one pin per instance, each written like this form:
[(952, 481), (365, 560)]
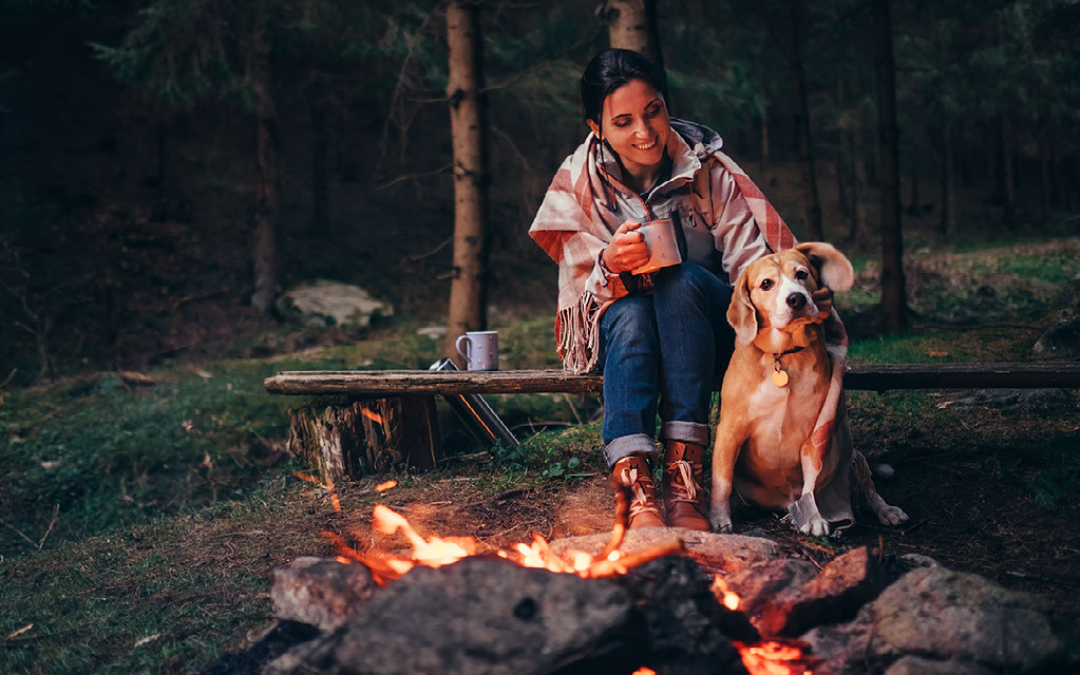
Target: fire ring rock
[(490, 617), (944, 616)]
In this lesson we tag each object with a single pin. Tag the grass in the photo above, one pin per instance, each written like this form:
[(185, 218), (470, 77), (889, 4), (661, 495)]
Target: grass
[(175, 501)]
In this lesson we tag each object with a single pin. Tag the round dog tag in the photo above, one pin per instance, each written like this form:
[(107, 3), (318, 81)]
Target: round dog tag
[(779, 378)]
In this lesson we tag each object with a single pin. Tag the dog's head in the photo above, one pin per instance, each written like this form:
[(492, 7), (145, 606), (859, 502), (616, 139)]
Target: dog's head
[(777, 290)]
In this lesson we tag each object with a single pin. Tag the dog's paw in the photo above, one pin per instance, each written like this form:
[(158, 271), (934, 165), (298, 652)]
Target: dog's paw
[(891, 515), (816, 527), (721, 522)]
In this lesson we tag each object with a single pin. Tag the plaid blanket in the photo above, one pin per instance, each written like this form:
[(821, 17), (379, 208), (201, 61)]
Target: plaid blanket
[(576, 222)]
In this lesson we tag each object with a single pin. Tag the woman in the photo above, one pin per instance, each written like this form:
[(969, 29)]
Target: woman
[(659, 334)]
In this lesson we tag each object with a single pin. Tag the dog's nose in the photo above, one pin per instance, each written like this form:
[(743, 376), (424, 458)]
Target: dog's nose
[(796, 301)]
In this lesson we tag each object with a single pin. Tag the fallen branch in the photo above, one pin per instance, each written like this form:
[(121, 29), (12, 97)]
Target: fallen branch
[(56, 512), (17, 531)]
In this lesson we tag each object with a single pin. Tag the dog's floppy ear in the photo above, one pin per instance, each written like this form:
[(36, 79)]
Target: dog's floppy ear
[(834, 269), (741, 313)]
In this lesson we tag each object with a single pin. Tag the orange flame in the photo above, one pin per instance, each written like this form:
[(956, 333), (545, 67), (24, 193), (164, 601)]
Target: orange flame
[(371, 415), (772, 658), (383, 487), (720, 590), (644, 671)]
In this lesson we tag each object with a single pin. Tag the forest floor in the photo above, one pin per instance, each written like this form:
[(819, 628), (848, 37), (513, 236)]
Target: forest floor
[(177, 500)]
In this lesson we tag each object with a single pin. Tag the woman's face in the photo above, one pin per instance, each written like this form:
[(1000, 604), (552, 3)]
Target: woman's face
[(635, 124)]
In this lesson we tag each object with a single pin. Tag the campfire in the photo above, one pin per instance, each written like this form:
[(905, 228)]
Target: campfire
[(766, 657), (641, 602)]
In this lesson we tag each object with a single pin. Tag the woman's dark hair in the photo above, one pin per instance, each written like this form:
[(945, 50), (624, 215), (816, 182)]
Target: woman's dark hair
[(611, 69)]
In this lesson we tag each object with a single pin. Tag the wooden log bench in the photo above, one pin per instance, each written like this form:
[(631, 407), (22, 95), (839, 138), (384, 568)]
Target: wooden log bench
[(367, 421)]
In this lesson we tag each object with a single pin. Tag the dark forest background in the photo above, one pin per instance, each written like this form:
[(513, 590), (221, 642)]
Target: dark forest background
[(133, 179)]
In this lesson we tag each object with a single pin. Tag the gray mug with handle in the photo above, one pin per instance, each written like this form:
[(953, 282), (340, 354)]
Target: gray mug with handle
[(480, 350)]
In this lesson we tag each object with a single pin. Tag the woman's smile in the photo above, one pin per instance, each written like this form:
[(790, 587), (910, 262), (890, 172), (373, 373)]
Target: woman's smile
[(635, 123)]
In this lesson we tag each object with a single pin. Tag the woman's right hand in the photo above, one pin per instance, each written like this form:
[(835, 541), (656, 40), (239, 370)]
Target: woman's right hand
[(627, 250)]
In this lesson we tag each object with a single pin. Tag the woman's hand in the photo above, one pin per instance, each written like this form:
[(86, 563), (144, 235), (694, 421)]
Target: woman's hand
[(627, 250)]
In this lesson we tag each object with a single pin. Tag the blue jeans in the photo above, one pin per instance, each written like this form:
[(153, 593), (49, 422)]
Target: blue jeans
[(673, 344)]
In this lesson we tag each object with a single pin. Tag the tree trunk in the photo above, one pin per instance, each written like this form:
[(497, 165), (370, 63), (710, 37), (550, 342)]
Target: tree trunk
[(632, 25), (948, 183), (468, 128), (266, 187), (802, 121), (320, 182), (1008, 183), (1045, 160), (893, 290), (913, 207), (858, 186), (843, 156)]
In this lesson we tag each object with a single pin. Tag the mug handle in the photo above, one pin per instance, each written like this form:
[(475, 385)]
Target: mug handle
[(468, 359)]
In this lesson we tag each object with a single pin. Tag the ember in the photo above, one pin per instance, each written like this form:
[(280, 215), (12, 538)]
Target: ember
[(371, 415), (772, 658)]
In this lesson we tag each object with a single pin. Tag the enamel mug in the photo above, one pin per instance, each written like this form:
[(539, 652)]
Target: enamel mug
[(662, 244), (480, 349)]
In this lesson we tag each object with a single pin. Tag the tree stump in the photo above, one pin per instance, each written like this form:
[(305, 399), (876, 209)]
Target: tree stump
[(348, 438)]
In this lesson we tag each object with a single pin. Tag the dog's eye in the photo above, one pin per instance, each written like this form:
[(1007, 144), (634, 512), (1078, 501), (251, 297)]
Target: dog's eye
[(766, 284), (801, 274)]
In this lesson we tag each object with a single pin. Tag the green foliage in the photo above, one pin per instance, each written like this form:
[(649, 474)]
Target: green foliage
[(108, 456), (564, 454)]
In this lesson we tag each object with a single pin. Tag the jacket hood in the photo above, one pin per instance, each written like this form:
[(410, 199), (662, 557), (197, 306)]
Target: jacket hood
[(701, 139)]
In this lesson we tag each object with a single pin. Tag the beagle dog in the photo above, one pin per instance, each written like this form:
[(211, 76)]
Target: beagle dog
[(783, 439)]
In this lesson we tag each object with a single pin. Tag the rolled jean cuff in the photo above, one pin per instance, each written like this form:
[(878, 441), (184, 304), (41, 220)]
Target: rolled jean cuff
[(626, 446), (685, 432)]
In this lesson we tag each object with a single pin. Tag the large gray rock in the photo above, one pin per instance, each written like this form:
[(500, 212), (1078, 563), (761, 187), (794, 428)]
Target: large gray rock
[(490, 617), (689, 633), (321, 592), (941, 615), (323, 303), (1062, 340)]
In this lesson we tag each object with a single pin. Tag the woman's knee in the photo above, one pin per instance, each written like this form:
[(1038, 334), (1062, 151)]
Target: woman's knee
[(628, 323), (687, 276), (690, 281)]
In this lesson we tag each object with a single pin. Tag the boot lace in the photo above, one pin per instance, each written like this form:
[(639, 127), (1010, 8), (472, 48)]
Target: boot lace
[(684, 487), (641, 501)]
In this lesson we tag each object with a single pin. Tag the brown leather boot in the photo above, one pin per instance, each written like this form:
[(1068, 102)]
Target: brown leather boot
[(683, 494), (634, 473)]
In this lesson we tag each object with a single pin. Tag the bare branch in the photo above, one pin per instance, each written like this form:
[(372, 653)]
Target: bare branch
[(420, 256), (410, 176), (56, 512), (17, 531)]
